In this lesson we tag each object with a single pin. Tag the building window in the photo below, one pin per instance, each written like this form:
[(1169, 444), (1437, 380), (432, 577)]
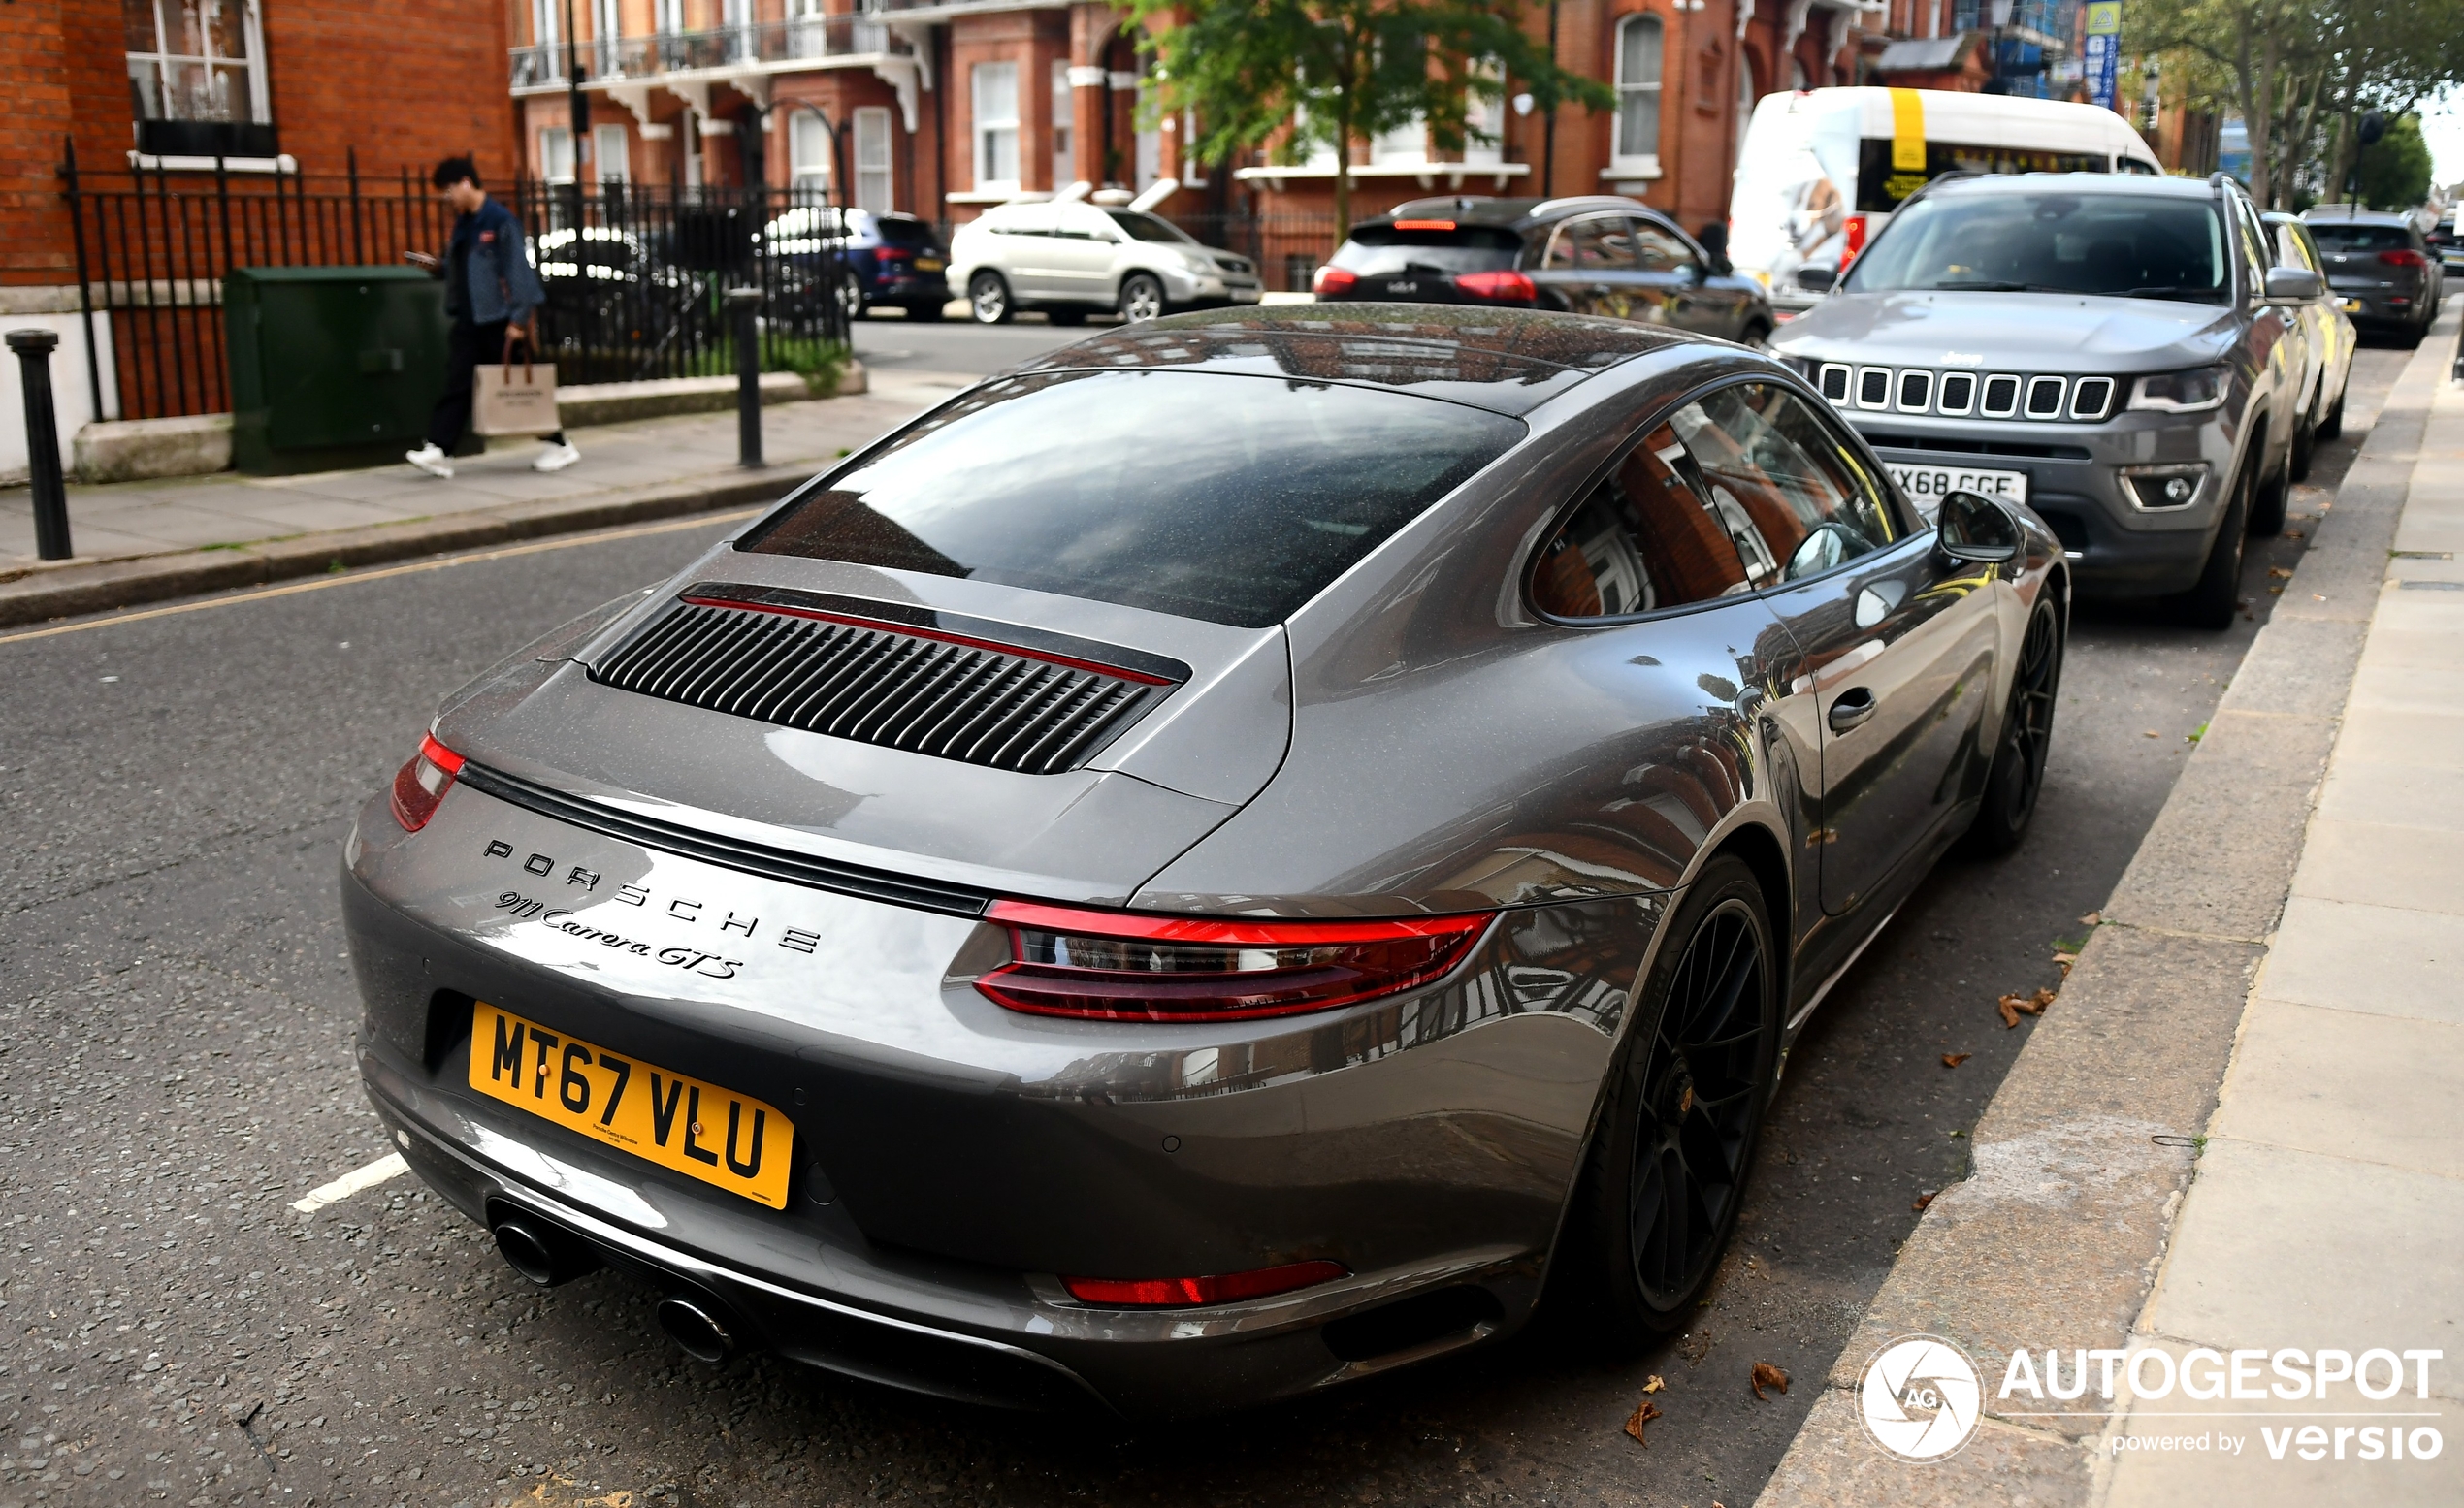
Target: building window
[(556, 154), (196, 60), (611, 154), (807, 152), (1745, 99), (1064, 114), (997, 126), (543, 19), (1407, 146), (872, 159), (606, 27), (1639, 93)]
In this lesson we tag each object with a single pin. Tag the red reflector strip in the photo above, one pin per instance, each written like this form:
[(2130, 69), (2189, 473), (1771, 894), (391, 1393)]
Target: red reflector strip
[(1189, 1292), (439, 754), (1424, 225)]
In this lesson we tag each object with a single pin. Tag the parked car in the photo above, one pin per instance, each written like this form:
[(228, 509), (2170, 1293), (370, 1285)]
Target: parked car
[(612, 302), (2381, 266), (1207, 867), (1071, 259), (1821, 169), (1597, 254), (2105, 348), (2326, 344), (2444, 241), (884, 259)]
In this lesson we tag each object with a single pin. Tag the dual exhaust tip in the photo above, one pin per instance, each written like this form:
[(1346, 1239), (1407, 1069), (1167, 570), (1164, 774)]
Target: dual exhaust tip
[(549, 1255)]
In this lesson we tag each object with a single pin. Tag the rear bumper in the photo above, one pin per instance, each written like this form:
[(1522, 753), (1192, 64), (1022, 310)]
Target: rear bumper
[(952, 1158)]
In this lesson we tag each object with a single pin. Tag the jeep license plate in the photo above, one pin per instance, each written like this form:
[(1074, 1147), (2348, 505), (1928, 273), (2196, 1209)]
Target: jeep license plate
[(1927, 486)]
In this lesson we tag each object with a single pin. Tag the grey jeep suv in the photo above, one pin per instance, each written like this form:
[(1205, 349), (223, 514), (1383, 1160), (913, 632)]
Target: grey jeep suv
[(2100, 348)]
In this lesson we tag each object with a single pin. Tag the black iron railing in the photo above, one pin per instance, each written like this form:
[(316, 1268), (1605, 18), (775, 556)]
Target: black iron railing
[(634, 276)]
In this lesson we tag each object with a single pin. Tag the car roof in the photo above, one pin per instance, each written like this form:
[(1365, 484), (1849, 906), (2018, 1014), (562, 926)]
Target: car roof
[(1507, 361), (2072, 184), (1485, 209), (2354, 215)]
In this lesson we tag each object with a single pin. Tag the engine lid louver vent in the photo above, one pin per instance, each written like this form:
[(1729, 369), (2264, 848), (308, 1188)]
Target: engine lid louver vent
[(901, 677)]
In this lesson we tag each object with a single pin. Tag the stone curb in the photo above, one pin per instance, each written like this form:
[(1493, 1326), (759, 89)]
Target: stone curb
[(74, 590), (2056, 1236)]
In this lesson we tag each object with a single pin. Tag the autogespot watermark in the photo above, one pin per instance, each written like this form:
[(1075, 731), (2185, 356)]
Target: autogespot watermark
[(1922, 1399)]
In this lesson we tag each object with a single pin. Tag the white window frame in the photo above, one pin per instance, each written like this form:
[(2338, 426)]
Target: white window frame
[(997, 130), (1484, 117), (611, 154), (668, 17), (162, 59), (1637, 95), (1407, 146), (1064, 118), (875, 188), (546, 16), (556, 154), (607, 29), (808, 153)]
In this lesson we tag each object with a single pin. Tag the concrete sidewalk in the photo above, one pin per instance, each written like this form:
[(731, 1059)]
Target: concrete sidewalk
[(2327, 1210), (141, 541)]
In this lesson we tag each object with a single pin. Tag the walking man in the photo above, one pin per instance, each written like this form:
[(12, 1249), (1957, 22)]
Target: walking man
[(491, 292)]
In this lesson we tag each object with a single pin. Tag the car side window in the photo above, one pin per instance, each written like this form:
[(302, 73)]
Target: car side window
[(1644, 539), (1598, 242), (1660, 251), (1763, 457), (2254, 247), (2293, 248)]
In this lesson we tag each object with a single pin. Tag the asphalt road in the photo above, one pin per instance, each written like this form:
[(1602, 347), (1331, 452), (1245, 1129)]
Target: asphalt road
[(175, 1026)]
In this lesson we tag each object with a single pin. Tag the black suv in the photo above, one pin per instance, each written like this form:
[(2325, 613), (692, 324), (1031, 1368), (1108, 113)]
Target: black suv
[(1597, 254)]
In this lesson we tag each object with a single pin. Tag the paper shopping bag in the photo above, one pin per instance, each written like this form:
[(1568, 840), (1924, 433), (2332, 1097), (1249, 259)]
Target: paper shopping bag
[(513, 399)]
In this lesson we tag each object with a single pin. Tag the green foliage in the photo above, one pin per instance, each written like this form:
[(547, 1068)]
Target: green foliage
[(1336, 72), (2395, 169)]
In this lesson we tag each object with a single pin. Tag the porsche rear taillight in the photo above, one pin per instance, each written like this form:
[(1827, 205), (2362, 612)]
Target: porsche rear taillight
[(1129, 966), (422, 782)]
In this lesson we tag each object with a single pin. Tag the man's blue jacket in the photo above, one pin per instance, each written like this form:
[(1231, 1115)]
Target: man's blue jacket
[(501, 282)]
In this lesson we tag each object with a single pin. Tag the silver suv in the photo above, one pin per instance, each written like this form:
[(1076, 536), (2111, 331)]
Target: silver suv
[(2101, 348)]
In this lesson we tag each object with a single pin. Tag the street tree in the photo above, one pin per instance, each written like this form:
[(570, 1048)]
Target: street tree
[(1300, 74), (2395, 169)]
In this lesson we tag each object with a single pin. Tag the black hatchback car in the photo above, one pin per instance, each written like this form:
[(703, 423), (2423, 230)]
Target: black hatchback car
[(2381, 267), (1594, 254)]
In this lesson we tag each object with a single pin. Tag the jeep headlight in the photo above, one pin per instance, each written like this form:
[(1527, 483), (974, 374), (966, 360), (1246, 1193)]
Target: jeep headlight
[(2182, 391)]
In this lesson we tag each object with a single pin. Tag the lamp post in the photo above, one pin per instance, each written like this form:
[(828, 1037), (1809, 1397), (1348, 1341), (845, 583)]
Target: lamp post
[(577, 110)]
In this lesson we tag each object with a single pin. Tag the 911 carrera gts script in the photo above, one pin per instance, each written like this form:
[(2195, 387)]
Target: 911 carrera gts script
[(710, 964), (675, 907)]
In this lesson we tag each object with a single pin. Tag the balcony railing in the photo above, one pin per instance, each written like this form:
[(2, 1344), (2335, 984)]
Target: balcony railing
[(722, 47)]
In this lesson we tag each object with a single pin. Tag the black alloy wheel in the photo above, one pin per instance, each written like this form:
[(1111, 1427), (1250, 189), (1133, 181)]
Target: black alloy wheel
[(2017, 774), (2216, 597), (989, 299), (1667, 1171), (851, 296)]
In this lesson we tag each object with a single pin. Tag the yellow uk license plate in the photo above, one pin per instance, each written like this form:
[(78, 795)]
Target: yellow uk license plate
[(718, 1136), (930, 264)]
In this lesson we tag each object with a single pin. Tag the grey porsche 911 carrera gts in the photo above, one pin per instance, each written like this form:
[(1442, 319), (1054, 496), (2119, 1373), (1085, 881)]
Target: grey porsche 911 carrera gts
[(1210, 866)]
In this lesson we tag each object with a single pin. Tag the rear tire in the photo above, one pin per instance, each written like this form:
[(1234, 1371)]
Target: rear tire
[(2306, 438), (2267, 499), (1666, 1174), (2018, 775), (1755, 337), (2332, 423), (989, 299), (2217, 595)]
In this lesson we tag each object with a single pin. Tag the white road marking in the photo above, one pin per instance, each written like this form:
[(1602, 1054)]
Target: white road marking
[(387, 1167)]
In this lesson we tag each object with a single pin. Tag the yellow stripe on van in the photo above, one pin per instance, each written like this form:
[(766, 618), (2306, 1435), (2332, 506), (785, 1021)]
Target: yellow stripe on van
[(1907, 131)]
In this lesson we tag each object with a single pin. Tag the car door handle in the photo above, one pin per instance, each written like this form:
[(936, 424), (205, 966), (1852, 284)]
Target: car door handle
[(1851, 708)]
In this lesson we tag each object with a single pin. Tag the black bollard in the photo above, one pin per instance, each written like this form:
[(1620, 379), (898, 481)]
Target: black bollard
[(42, 443), (742, 304)]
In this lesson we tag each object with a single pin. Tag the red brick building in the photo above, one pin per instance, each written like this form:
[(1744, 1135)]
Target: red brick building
[(275, 87), (945, 106)]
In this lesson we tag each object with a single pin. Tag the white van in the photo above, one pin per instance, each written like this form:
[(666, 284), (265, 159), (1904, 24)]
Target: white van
[(1821, 170)]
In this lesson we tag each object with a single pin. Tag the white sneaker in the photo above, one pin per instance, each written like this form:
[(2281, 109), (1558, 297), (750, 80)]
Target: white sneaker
[(431, 460), (556, 457)]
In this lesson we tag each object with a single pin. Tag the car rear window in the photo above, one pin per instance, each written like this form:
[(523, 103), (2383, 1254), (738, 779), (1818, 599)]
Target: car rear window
[(2360, 237), (1431, 246), (896, 231), (1206, 495), (2130, 246)]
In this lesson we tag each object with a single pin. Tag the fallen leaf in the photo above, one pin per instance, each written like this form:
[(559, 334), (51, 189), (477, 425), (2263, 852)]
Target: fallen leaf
[(2008, 1006), (1924, 1198), (2150, 733), (1654, 1385), (1766, 1375), (1954, 1059), (2037, 1002), (2275, 591), (1642, 1416), (2092, 919), (2280, 573), (2293, 533), (2014, 1004)]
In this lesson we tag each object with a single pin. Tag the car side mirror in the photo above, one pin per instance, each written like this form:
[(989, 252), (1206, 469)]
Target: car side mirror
[(1972, 527), (1816, 279), (2291, 285)]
